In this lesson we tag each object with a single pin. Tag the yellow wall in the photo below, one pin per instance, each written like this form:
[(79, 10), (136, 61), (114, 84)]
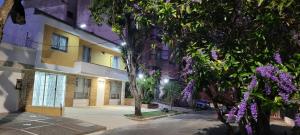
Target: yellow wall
[(57, 57), (99, 55)]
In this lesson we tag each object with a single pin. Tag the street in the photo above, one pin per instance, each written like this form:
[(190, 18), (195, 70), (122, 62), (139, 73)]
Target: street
[(184, 124)]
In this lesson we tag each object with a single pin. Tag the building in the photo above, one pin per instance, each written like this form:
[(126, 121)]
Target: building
[(51, 63)]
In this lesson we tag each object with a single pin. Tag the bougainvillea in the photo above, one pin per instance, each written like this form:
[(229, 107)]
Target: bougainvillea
[(297, 120), (253, 83), (214, 54), (270, 76), (277, 58), (253, 109), (188, 90), (188, 69), (249, 129), (231, 114)]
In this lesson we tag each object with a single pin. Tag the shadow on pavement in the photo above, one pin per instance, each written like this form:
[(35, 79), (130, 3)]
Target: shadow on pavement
[(221, 130)]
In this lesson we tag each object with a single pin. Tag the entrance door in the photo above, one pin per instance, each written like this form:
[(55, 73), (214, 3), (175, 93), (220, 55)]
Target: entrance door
[(100, 93)]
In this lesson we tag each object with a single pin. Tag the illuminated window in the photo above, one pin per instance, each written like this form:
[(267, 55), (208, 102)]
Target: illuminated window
[(59, 42)]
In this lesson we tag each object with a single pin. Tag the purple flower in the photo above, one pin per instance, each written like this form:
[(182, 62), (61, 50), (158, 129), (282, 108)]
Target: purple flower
[(214, 54), (188, 69), (268, 71), (297, 120), (249, 129), (246, 96), (241, 111), (253, 109), (267, 89), (277, 58), (231, 113), (285, 97), (253, 83), (285, 82), (151, 72), (188, 90)]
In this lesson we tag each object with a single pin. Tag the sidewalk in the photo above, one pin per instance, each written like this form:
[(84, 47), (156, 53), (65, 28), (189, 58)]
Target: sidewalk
[(34, 124)]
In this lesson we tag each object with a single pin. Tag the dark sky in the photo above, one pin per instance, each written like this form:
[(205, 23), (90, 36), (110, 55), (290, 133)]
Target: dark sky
[(1, 2)]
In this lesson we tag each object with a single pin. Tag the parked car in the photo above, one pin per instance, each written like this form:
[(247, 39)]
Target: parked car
[(202, 104)]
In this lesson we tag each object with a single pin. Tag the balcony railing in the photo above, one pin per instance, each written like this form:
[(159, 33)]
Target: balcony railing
[(100, 70)]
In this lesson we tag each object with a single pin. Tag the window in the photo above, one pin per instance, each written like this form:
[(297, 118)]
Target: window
[(115, 89), (70, 14), (59, 42), (115, 62), (49, 90), (86, 56), (83, 87)]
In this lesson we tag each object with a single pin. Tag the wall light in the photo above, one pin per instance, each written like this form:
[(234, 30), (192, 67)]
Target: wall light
[(82, 26)]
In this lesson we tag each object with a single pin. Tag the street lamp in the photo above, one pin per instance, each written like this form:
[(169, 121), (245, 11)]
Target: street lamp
[(123, 43), (166, 80), (141, 76)]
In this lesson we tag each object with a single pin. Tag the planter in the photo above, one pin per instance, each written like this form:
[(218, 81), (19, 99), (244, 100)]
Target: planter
[(150, 106), (129, 101)]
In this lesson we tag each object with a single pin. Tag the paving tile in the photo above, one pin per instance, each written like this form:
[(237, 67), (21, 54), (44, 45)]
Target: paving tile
[(52, 130), (23, 125), (12, 132)]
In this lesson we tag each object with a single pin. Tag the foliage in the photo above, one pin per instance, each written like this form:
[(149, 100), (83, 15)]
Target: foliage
[(147, 86), (227, 40), (172, 91)]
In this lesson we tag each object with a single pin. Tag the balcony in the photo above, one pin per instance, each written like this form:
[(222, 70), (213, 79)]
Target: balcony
[(99, 70)]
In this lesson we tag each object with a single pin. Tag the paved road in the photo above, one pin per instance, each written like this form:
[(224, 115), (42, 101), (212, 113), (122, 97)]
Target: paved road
[(184, 124)]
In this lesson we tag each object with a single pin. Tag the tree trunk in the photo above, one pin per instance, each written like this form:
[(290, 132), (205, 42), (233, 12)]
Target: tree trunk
[(263, 124), (209, 92), (4, 11), (131, 69)]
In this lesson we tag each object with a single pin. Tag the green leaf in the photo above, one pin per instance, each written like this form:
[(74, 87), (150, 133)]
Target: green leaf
[(188, 9), (260, 2)]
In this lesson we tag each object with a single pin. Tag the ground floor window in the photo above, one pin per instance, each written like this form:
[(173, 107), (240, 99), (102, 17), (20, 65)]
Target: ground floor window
[(49, 89), (115, 89), (83, 87)]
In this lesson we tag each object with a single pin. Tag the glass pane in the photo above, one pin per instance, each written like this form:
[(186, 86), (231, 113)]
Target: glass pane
[(60, 91), (115, 62), (86, 54), (79, 88), (49, 94), (38, 90), (54, 41), (63, 43)]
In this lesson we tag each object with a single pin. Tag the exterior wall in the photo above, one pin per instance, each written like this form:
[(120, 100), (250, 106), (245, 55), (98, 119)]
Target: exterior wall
[(107, 92), (70, 90), (23, 55), (51, 111), (100, 55), (45, 110), (9, 96), (56, 57), (93, 92)]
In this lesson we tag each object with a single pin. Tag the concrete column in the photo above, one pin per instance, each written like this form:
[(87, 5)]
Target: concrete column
[(123, 93)]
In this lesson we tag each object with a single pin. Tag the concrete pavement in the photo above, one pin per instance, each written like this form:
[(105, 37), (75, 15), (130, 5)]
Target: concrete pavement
[(34, 124), (109, 116)]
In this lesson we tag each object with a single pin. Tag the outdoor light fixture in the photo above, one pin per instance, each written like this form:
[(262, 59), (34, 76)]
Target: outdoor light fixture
[(166, 80), (123, 43), (82, 26), (141, 76)]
